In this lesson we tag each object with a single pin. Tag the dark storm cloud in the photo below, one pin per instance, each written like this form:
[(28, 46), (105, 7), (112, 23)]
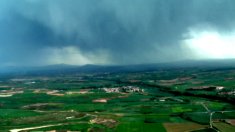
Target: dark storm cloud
[(131, 31)]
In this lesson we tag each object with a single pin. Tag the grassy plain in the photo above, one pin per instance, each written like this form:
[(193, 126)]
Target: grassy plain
[(134, 102)]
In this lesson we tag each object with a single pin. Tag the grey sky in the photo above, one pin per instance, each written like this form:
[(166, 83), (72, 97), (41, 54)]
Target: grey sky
[(41, 32)]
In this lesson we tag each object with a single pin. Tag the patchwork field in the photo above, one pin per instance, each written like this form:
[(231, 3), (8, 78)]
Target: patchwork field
[(159, 101)]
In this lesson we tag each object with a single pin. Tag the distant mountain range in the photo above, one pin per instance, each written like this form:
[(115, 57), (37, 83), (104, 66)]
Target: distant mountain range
[(66, 69)]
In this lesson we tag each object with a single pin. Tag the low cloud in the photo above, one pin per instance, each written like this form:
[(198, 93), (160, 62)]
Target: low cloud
[(73, 56)]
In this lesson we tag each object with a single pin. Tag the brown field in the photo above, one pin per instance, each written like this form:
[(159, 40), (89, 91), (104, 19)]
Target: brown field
[(41, 105), (107, 122), (5, 86), (231, 121), (100, 100), (183, 127), (224, 127)]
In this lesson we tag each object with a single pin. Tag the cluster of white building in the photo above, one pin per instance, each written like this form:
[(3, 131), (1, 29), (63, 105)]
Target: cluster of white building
[(126, 89)]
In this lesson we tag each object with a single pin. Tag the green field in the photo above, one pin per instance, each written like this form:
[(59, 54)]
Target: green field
[(140, 102)]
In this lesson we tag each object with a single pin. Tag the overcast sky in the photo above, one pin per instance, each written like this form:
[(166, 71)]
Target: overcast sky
[(44, 32)]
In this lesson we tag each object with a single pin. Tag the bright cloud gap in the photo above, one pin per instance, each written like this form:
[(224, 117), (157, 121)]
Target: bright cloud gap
[(210, 44)]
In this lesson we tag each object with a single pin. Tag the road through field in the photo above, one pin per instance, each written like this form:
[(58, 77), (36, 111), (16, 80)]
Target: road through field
[(45, 126), (31, 128)]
